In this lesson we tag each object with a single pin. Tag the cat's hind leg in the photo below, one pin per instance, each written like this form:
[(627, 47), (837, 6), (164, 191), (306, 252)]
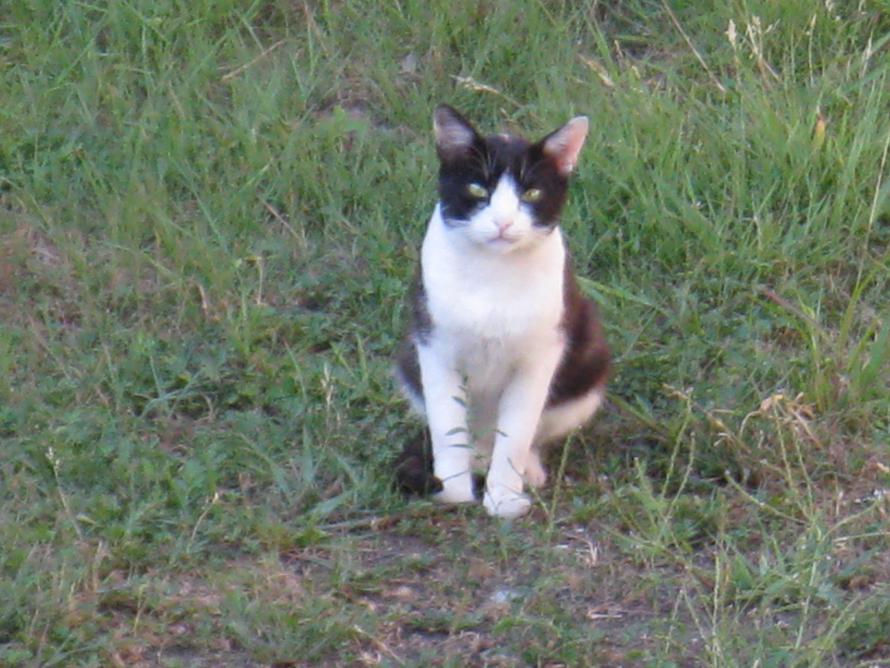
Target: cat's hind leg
[(535, 473), (560, 420), (557, 422)]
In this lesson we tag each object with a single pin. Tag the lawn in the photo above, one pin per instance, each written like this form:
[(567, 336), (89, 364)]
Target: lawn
[(210, 214)]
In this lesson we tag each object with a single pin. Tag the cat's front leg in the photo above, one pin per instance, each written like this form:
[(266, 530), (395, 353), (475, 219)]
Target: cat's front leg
[(512, 461), (446, 414)]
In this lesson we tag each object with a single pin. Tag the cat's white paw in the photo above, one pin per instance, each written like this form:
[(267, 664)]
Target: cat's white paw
[(535, 473), (506, 504), (458, 489)]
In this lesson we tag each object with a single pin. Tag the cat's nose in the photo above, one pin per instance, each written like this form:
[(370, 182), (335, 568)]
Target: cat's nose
[(504, 224)]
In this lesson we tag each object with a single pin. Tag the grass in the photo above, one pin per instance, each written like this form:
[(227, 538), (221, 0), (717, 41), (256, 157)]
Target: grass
[(209, 216)]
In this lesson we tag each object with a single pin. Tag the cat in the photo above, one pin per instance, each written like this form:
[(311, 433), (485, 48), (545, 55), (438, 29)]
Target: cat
[(504, 354)]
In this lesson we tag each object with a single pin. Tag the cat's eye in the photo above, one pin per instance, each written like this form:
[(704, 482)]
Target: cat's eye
[(531, 196), (477, 191)]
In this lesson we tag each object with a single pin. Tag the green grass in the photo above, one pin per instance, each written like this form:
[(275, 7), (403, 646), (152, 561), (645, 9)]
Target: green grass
[(209, 216)]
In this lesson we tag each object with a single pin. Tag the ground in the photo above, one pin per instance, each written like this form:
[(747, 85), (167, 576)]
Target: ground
[(210, 214)]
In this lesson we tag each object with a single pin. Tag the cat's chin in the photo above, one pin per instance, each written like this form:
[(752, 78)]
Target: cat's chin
[(500, 245)]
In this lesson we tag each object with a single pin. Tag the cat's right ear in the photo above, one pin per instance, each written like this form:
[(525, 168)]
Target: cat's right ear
[(455, 137)]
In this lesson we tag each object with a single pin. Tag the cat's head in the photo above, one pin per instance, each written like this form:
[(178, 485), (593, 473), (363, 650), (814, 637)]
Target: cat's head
[(502, 192)]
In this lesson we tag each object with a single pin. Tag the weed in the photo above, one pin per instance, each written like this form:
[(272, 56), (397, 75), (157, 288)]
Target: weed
[(209, 217)]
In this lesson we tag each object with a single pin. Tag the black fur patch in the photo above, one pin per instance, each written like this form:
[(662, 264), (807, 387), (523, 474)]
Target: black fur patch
[(585, 363), (414, 467), (408, 367), (419, 329)]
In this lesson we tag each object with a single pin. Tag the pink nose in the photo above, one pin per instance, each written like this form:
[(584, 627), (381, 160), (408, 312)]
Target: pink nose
[(503, 225)]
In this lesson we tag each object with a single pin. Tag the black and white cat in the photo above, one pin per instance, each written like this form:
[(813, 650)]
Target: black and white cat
[(504, 354)]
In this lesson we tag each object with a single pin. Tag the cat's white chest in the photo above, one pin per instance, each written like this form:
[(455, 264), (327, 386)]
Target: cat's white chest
[(491, 308), (478, 303)]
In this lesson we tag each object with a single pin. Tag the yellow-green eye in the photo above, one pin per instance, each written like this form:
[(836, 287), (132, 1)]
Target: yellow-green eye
[(477, 191), (531, 195)]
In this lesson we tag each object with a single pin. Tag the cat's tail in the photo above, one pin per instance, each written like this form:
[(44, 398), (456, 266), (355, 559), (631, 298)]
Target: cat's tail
[(414, 467)]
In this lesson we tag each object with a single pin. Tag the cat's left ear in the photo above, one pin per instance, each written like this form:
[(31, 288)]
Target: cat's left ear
[(564, 145), (455, 137)]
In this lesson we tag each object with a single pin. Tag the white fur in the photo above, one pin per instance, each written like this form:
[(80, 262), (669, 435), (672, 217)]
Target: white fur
[(504, 225), (494, 290), (560, 420)]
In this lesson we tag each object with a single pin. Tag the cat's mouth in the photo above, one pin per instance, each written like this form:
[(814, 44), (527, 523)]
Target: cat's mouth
[(501, 242), (502, 239)]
